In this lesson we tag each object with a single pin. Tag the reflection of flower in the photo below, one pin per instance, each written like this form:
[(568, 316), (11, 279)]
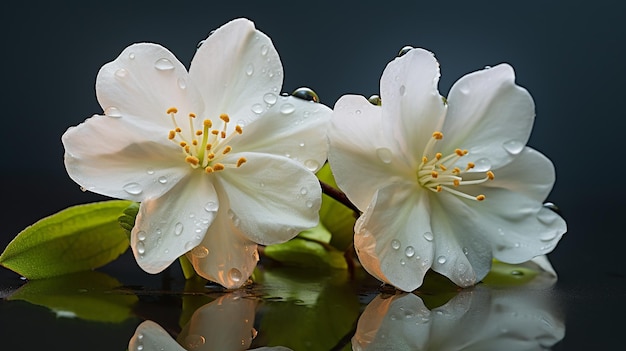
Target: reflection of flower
[(476, 319), (443, 185), (215, 155), (224, 324)]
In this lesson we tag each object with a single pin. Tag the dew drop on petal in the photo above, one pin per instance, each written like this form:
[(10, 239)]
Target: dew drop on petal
[(358, 112), (131, 55), (162, 180), (234, 275), (182, 84), (482, 165), (428, 236), (303, 191), (150, 171), (513, 147), (375, 100), (200, 251), (112, 111), (516, 272), (257, 108), (264, 50), (404, 50), (194, 341), (384, 154), (121, 73), (441, 259), (312, 165), (395, 244), (465, 251), (306, 94), (287, 109), (402, 90), (133, 188), (163, 64), (189, 245), (402, 262), (270, 98), (250, 69), (141, 235), (178, 228), (309, 204), (409, 251), (141, 248), (211, 206)]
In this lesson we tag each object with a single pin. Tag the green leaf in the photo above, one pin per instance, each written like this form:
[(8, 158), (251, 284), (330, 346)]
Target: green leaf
[(127, 218), (79, 238), (299, 252), (504, 274), (87, 295), (335, 216)]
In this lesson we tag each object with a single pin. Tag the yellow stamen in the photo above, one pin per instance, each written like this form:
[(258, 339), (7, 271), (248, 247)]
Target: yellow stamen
[(438, 135), (238, 129), (171, 110), (480, 197), (218, 167), (171, 135), (470, 165), (192, 160), (434, 174), (224, 117), (226, 149), (241, 161), (490, 175), (192, 115), (198, 132)]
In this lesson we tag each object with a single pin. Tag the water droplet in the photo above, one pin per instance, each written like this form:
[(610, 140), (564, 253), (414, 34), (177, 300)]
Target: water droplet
[(441, 259), (402, 90), (141, 235), (150, 171), (395, 244), (182, 83), (178, 228), (303, 191), (250, 69), (200, 44), (375, 100), (139, 347), (309, 204), (211, 206), (404, 50), (402, 262), (409, 251), (358, 112), (482, 165), (131, 55), (287, 109), (112, 111), (133, 188), (306, 94), (121, 73), (262, 184), (163, 64), (257, 108), (513, 147), (162, 180), (301, 144), (517, 245), (235, 275), (141, 248), (194, 341), (200, 251), (500, 231), (384, 154), (552, 207), (312, 165), (270, 98), (264, 50), (189, 245), (428, 236), (516, 272), (465, 251)]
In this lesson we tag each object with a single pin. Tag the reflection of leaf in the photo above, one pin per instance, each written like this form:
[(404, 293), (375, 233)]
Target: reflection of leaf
[(336, 217), (300, 252), (317, 312), (76, 239), (87, 295)]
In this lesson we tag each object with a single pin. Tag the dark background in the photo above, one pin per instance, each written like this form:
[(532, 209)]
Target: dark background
[(568, 54)]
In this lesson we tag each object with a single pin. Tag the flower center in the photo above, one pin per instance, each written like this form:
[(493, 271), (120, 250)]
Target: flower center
[(439, 173), (205, 148)]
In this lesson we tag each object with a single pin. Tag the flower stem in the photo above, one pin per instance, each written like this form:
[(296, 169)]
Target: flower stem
[(339, 196)]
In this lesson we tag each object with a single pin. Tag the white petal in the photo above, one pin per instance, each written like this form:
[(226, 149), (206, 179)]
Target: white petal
[(272, 198), (149, 336), (293, 127), (235, 68), (142, 83), (392, 237), (412, 106), (224, 324), (489, 115), (225, 256), (168, 226), (361, 157), (105, 155)]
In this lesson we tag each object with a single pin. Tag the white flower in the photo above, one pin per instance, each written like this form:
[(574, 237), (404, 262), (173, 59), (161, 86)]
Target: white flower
[(443, 186), (219, 160)]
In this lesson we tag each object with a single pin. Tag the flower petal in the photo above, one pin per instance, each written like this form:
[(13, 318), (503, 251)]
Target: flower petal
[(224, 256), (238, 71), (409, 92), (489, 115), (105, 155), (293, 127), (168, 226), (272, 198), (142, 83), (150, 336), (393, 236), (362, 159)]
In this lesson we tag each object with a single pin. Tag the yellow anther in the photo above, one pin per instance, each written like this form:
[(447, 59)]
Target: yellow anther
[(456, 182), (223, 134), (480, 197), (241, 161), (224, 117), (198, 132), (171, 110), (207, 123), (465, 152), (442, 167), (456, 170), (218, 167), (178, 130), (215, 132), (183, 144), (226, 149), (470, 165), (194, 142), (490, 175), (424, 159), (171, 135), (208, 147), (438, 135), (208, 169), (459, 152), (438, 155), (192, 115), (187, 148), (211, 156), (434, 174), (439, 188), (192, 160), (238, 129)]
